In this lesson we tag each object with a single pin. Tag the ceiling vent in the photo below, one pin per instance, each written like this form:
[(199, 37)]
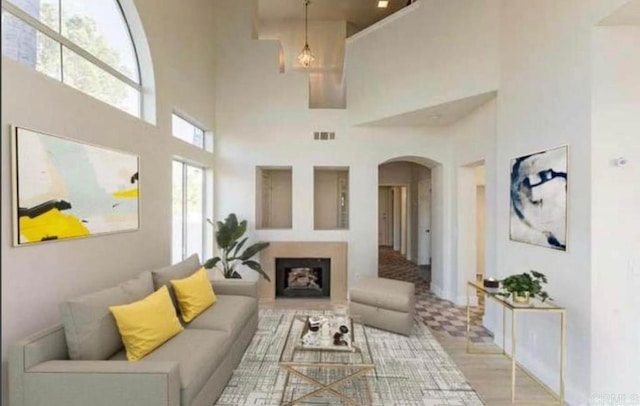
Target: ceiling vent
[(324, 135)]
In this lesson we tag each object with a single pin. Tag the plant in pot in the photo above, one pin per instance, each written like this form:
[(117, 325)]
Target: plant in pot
[(229, 236), (525, 286)]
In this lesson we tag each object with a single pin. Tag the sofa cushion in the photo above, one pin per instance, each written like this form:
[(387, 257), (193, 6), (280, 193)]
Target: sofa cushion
[(138, 287), (163, 276), (89, 326), (198, 354), (229, 314)]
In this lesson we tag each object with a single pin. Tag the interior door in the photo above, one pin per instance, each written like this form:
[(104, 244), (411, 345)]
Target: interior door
[(424, 222), (383, 216)]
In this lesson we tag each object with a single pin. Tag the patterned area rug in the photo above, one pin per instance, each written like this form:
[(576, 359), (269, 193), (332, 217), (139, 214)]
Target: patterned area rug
[(409, 371)]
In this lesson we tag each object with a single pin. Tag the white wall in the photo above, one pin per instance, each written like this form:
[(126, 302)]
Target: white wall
[(474, 142), (35, 279), (544, 102), (615, 199), (441, 51)]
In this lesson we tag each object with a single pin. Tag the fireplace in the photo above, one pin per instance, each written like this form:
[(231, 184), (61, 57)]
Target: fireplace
[(303, 277)]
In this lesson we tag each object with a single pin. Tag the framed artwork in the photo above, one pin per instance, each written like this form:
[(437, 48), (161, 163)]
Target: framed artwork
[(538, 212), (66, 189)]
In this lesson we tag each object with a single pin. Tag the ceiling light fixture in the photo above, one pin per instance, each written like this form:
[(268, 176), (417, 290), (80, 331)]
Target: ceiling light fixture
[(383, 3), (306, 57)]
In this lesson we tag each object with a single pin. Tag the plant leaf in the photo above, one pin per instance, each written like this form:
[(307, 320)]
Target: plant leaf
[(537, 274), (240, 230), (211, 263), (253, 250), (223, 236), (239, 246), (256, 267), (231, 222), (229, 270), (230, 248)]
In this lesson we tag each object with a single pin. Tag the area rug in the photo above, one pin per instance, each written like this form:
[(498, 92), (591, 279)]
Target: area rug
[(409, 371)]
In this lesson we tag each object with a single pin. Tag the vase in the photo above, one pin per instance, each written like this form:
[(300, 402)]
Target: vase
[(521, 297)]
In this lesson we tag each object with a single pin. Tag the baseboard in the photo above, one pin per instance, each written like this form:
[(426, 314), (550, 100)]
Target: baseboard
[(573, 396), (437, 290)]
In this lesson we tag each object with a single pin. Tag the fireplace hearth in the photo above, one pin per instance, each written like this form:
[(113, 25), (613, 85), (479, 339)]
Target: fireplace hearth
[(303, 277)]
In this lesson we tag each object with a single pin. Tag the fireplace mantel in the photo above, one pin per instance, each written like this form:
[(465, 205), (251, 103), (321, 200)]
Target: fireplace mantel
[(336, 251)]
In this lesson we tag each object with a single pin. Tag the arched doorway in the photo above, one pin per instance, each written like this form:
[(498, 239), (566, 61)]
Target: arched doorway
[(411, 218)]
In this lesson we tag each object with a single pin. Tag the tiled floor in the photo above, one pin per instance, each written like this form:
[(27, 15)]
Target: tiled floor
[(437, 314)]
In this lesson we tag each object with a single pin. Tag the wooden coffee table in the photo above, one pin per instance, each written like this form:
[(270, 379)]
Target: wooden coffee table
[(340, 364)]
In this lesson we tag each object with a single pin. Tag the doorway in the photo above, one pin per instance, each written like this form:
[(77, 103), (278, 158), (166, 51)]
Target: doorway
[(471, 208), (404, 210)]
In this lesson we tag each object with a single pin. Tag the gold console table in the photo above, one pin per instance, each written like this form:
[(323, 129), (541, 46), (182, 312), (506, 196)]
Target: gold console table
[(535, 305)]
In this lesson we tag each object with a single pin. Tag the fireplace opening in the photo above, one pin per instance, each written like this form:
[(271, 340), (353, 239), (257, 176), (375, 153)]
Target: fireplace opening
[(303, 277)]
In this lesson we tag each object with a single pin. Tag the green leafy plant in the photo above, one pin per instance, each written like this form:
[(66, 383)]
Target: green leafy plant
[(524, 283), (229, 238)]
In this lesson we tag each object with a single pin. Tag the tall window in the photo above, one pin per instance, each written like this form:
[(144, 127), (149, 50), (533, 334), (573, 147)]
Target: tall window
[(190, 230), (85, 44)]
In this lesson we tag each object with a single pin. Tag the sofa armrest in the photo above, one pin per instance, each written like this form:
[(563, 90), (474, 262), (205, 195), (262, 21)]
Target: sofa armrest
[(236, 287), (102, 383)]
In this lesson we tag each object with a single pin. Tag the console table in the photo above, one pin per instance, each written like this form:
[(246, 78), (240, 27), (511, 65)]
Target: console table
[(535, 305)]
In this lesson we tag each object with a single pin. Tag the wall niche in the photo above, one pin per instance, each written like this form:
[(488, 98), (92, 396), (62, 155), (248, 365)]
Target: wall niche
[(273, 197), (331, 198)]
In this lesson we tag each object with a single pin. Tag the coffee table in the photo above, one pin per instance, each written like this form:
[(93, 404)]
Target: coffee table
[(336, 366)]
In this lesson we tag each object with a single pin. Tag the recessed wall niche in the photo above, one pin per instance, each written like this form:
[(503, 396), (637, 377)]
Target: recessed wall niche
[(273, 197), (331, 198)]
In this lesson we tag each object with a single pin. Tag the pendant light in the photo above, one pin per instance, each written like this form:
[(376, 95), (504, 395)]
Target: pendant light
[(306, 57)]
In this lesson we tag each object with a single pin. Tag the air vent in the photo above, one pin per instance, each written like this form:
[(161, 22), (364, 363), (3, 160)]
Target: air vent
[(324, 135)]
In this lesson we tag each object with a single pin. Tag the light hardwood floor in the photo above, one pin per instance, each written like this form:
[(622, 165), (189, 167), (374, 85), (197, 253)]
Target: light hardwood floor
[(489, 375)]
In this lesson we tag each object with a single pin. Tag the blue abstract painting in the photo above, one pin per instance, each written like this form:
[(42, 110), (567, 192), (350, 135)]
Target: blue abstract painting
[(539, 199)]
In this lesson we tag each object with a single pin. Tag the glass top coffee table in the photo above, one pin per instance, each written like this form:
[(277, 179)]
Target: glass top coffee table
[(337, 370)]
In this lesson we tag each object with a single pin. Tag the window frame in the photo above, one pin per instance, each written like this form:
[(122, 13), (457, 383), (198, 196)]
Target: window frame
[(207, 142), (65, 42)]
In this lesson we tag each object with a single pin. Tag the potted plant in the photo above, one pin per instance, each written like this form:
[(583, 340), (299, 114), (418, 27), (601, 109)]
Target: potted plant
[(525, 286), (229, 238)]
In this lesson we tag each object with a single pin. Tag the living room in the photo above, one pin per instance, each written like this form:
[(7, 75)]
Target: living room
[(444, 84)]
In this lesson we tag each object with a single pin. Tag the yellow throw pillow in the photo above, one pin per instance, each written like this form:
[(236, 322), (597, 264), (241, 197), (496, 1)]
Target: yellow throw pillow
[(146, 324), (194, 294)]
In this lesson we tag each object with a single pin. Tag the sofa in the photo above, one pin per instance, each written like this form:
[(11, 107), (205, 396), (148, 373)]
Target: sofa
[(81, 361)]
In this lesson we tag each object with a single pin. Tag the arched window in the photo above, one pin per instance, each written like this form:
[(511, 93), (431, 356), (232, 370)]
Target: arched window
[(85, 44)]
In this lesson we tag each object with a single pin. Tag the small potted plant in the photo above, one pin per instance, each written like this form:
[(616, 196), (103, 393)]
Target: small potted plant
[(525, 286), (229, 238)]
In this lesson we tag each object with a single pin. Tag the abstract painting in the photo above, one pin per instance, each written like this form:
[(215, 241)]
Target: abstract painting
[(66, 189), (539, 199)]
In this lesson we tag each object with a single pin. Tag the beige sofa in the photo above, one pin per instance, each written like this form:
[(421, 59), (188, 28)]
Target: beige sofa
[(73, 363)]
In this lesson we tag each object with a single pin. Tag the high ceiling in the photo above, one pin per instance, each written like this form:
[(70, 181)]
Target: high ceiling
[(361, 13)]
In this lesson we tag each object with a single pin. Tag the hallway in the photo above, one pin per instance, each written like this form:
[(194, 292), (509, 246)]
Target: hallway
[(438, 314)]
